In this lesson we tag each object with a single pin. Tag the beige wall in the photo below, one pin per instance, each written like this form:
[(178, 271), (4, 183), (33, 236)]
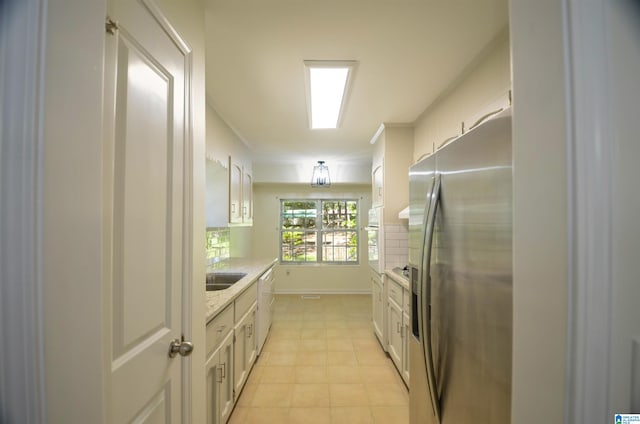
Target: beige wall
[(481, 88), (308, 278)]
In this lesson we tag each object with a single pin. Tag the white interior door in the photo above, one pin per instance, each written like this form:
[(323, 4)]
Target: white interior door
[(146, 105)]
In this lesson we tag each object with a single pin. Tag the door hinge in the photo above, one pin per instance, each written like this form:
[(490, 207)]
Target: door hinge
[(111, 26)]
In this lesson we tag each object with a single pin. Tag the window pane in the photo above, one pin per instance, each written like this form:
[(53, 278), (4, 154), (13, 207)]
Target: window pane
[(299, 246), (338, 214), (298, 214), (340, 246)]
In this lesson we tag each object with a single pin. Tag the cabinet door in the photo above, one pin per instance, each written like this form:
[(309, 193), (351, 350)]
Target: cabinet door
[(247, 198), (219, 382), (245, 348), (226, 397), (213, 375), (252, 345), (378, 308), (235, 193), (395, 333), (376, 186), (406, 328)]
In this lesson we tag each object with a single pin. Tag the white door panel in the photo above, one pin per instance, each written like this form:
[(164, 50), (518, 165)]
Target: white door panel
[(146, 105)]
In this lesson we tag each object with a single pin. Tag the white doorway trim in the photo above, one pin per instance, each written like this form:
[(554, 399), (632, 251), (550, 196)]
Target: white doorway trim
[(590, 156), (22, 29)]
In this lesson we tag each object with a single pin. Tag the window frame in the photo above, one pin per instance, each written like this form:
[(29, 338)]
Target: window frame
[(320, 231)]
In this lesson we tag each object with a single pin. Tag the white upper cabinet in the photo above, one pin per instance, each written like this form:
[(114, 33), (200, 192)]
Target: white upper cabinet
[(392, 157), (240, 194)]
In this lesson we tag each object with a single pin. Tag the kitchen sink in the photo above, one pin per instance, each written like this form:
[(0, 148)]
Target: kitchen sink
[(223, 280)]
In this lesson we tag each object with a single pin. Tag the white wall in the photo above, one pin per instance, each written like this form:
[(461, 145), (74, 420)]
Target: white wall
[(309, 278), (481, 88), (540, 211)]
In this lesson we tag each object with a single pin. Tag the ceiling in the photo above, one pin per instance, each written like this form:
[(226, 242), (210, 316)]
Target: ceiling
[(408, 52)]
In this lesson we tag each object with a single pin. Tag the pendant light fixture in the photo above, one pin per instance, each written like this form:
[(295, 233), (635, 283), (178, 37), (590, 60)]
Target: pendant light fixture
[(320, 177)]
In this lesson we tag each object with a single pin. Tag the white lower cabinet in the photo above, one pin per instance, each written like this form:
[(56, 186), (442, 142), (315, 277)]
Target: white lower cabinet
[(406, 331), (219, 368), (245, 348), (378, 307), (399, 328), (231, 353), (395, 333)]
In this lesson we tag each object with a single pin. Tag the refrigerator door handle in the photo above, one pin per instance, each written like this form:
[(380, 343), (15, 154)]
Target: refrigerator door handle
[(426, 294)]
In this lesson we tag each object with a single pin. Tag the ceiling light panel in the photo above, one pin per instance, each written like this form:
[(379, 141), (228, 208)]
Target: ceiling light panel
[(327, 89)]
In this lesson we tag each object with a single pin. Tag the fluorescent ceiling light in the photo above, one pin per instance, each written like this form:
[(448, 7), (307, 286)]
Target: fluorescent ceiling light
[(327, 87)]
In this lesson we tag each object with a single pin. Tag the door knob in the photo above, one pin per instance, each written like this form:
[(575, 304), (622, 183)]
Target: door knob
[(180, 347)]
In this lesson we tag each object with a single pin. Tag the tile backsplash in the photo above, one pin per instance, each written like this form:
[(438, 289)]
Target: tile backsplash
[(218, 246), (396, 245)]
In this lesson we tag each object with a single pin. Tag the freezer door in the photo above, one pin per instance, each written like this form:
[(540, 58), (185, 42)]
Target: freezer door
[(471, 277)]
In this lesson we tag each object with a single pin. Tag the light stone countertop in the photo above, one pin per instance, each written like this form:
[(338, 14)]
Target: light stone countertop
[(398, 278), (216, 301)]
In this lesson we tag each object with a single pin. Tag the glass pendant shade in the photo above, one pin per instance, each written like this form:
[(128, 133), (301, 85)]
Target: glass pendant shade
[(320, 177)]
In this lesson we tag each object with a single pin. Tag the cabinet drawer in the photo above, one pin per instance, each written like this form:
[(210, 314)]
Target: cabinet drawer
[(218, 328), (245, 300), (395, 292)]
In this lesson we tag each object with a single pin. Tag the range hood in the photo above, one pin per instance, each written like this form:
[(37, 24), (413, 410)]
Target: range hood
[(404, 213)]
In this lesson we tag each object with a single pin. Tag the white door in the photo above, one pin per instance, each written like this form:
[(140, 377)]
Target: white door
[(146, 124)]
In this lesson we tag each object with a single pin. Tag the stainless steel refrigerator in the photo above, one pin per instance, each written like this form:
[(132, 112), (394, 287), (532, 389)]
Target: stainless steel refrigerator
[(460, 254)]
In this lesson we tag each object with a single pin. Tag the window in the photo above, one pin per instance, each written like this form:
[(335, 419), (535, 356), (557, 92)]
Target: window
[(319, 231)]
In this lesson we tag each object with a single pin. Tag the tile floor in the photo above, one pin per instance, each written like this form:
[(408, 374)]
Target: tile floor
[(322, 364)]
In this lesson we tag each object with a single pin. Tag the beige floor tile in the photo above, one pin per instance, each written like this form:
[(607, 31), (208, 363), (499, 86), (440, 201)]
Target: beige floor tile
[(282, 374), (294, 324), (339, 344), (310, 416), (347, 358), (378, 374), (272, 395), (282, 345), (266, 416), (312, 345), (311, 374), (390, 414), (313, 333), (336, 333), (348, 394), (361, 333), (341, 374), (352, 415), (284, 333), (365, 343), (371, 357), (312, 358), (308, 395), (280, 359), (309, 325), (382, 394), (338, 324)]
